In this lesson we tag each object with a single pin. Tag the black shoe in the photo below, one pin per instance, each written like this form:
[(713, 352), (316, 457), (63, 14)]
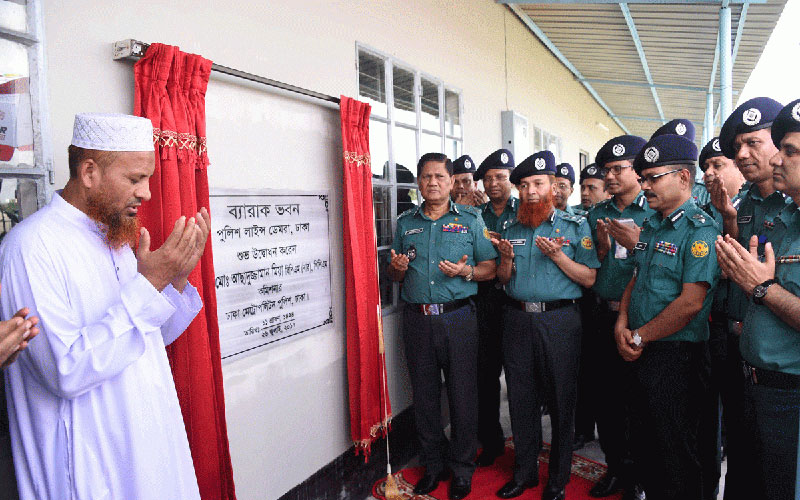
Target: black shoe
[(460, 487), (429, 482), (487, 457), (607, 486), (549, 494), (514, 488), (579, 442), (634, 493)]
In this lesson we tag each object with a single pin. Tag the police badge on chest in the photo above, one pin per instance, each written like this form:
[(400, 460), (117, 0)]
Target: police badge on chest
[(411, 253)]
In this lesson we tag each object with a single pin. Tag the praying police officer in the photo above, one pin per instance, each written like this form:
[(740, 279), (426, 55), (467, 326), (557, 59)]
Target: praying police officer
[(465, 188), (494, 171), (723, 345), (615, 224), (546, 255), (593, 189), (685, 128), (439, 252), (745, 138), (663, 320), (564, 185), (770, 340)]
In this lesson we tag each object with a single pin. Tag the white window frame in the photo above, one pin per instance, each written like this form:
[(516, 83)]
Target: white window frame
[(446, 140)]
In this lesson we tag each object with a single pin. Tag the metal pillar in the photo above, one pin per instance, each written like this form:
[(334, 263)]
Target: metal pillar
[(726, 62), (708, 124)]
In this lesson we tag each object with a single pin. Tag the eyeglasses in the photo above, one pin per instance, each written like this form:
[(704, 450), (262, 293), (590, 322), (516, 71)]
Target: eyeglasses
[(650, 178), (616, 169)]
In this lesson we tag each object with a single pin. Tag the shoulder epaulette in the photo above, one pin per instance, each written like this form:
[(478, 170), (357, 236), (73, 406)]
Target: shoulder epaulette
[(510, 222), (469, 209), (572, 218), (410, 211), (701, 218)]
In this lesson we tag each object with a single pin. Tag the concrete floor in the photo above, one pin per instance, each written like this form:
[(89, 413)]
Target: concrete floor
[(591, 451)]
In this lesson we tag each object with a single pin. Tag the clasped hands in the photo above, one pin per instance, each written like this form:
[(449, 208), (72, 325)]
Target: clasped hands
[(179, 254), (452, 269), (15, 334)]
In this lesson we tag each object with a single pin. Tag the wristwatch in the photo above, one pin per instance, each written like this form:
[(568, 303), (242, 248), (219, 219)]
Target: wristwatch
[(471, 274), (760, 291), (637, 339)]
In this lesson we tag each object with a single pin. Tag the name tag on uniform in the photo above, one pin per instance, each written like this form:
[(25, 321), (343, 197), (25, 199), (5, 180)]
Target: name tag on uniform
[(413, 231), (640, 245), (744, 219), (454, 227), (518, 242)]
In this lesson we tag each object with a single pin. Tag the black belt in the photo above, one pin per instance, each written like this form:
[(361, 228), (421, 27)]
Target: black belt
[(770, 378), (437, 309), (539, 307)]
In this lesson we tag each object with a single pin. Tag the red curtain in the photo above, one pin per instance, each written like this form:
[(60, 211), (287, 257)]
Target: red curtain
[(370, 411), (170, 90)]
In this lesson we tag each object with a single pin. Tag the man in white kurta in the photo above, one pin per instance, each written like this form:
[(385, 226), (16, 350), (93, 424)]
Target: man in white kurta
[(92, 404)]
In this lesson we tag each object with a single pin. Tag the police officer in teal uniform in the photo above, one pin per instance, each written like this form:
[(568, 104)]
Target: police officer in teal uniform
[(439, 252), (615, 224), (726, 381), (685, 128), (770, 341), (465, 188), (564, 183), (494, 171), (593, 189), (663, 320), (546, 255)]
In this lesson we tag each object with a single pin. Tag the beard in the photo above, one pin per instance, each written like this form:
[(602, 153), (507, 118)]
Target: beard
[(118, 230), (533, 213)]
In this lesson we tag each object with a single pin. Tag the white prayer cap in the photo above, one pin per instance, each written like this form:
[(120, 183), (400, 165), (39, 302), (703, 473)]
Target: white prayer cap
[(112, 132)]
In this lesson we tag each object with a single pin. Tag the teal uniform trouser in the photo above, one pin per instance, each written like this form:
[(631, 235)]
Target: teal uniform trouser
[(445, 343), (541, 352)]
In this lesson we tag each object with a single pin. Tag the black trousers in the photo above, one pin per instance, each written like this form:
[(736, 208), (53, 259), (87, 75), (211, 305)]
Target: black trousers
[(726, 387), (447, 343), (612, 390), (670, 388), (541, 352), (772, 417), (489, 303), (590, 366)]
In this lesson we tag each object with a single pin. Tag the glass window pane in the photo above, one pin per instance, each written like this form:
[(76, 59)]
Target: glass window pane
[(454, 149), (382, 202), (429, 102), (430, 143), (17, 200), (385, 283), (16, 128), (379, 149), (407, 198), (12, 15), (405, 110), (537, 140), (372, 82), (452, 113), (404, 143)]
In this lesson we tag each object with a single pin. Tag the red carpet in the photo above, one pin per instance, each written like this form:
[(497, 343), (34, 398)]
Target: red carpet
[(487, 480)]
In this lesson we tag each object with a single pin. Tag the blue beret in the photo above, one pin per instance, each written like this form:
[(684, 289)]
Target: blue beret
[(624, 147), (541, 163), (502, 158), (591, 172), (566, 171), (464, 165), (665, 150), (710, 150), (754, 114), (678, 126), (788, 120)]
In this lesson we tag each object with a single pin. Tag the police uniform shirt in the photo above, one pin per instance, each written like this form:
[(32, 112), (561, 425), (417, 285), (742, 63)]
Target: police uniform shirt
[(672, 251), (459, 232), (492, 221), (756, 216), (700, 194), (537, 278), (577, 210), (767, 342), (617, 267)]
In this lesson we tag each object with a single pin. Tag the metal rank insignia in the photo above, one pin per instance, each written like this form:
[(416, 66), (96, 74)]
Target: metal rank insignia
[(788, 259), (411, 253), (666, 247), (454, 227)]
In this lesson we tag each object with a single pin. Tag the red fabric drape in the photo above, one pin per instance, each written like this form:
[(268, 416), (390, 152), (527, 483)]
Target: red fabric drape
[(170, 90), (370, 411)]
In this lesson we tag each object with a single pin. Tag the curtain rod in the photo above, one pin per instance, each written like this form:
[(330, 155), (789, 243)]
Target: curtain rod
[(134, 49)]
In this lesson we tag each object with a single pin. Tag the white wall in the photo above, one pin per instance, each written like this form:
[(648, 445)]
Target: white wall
[(287, 407)]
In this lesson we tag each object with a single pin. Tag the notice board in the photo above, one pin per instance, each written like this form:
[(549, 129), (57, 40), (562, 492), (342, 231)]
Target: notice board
[(272, 266)]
